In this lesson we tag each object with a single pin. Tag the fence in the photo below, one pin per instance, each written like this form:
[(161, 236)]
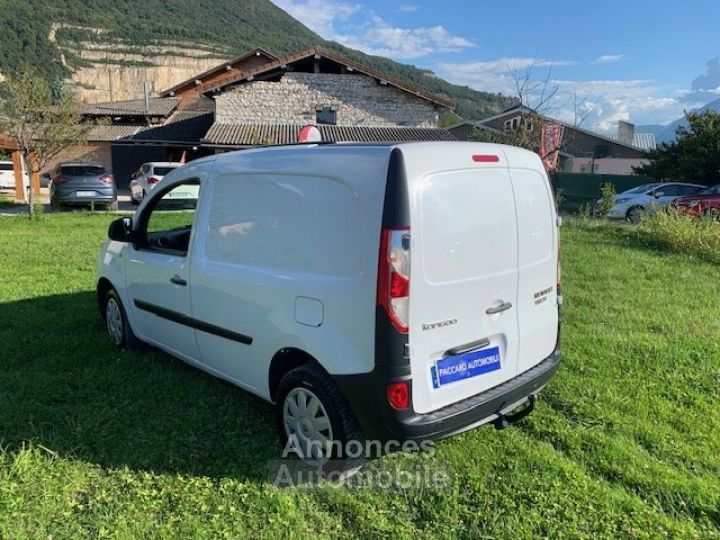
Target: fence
[(577, 189)]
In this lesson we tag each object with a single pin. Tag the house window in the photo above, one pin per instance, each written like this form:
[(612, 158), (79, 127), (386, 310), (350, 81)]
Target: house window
[(326, 115)]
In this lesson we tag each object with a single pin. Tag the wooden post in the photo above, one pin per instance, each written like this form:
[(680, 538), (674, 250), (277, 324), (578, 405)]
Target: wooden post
[(19, 176)]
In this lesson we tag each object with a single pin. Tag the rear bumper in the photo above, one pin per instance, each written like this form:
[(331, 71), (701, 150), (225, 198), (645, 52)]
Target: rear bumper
[(367, 396), (104, 195)]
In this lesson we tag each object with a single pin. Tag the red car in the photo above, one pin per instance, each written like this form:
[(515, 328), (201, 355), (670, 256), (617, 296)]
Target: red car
[(703, 203)]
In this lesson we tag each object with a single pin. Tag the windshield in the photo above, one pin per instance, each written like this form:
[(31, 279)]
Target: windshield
[(712, 190), (639, 189), (82, 170), (162, 171)]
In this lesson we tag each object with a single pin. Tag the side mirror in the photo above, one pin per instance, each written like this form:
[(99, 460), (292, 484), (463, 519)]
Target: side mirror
[(121, 230), (659, 194)]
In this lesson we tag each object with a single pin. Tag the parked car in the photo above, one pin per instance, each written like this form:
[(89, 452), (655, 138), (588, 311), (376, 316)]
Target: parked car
[(147, 177), (705, 202), (633, 203), (274, 283), (80, 183), (7, 176)]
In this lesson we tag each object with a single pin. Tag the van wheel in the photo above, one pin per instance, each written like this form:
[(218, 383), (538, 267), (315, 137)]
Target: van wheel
[(315, 421), (116, 323), (634, 214)]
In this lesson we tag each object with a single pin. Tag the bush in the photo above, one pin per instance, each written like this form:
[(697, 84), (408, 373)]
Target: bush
[(677, 231)]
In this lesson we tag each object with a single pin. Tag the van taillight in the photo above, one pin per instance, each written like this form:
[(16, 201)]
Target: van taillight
[(393, 291), (398, 394)]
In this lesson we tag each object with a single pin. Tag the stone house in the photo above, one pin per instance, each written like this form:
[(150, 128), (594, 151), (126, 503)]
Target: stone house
[(346, 100), (258, 99)]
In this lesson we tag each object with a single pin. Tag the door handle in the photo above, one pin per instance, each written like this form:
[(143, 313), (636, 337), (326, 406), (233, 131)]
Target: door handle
[(498, 309), (177, 280)]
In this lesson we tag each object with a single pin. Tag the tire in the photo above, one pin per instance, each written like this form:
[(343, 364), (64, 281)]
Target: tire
[(55, 206), (634, 214), (116, 323), (311, 382)]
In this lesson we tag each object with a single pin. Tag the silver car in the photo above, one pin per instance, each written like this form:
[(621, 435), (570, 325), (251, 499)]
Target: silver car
[(82, 184), (147, 177), (648, 198)]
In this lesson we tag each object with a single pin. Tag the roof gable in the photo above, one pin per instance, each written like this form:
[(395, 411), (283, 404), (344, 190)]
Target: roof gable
[(330, 61), (249, 60)]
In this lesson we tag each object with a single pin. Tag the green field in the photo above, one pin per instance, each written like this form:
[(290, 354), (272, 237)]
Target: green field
[(625, 441)]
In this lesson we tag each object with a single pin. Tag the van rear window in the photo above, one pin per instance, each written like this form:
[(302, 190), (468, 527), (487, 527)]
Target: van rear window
[(82, 170), (6, 167), (301, 224)]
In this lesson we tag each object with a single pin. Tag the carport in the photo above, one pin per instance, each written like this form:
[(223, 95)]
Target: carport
[(7, 143)]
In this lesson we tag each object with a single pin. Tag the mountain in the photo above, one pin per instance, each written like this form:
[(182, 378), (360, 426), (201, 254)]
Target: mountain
[(108, 47), (667, 133)]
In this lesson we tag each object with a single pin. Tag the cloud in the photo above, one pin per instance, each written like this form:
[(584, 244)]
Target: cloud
[(497, 75), (378, 37), (706, 86), (608, 59), (321, 16), (600, 102), (408, 8), (355, 26)]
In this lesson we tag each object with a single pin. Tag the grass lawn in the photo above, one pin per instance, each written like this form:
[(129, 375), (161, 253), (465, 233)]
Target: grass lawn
[(625, 441)]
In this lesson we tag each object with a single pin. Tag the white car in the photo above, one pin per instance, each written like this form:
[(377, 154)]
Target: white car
[(7, 176), (393, 293), (147, 177), (633, 203)]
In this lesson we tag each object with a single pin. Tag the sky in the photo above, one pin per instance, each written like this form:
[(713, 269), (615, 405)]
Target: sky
[(635, 60)]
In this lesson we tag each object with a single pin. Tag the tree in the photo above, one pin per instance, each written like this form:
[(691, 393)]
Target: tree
[(40, 122), (695, 154), (536, 98)]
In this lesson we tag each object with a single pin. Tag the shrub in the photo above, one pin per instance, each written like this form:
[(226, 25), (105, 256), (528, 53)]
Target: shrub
[(677, 231)]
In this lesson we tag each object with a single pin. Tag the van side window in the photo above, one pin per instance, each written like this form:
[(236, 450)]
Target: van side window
[(302, 224), (167, 224)]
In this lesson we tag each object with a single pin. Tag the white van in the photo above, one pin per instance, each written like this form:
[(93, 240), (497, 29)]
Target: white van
[(385, 292)]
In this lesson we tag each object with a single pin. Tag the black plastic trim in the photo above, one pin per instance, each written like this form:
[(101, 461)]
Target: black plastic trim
[(179, 318), (367, 396)]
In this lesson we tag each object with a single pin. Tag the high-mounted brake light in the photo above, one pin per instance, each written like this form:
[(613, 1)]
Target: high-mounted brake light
[(398, 394), (393, 291), (485, 158)]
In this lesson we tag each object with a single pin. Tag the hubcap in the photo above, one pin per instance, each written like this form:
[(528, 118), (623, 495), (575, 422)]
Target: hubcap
[(306, 420), (113, 319)]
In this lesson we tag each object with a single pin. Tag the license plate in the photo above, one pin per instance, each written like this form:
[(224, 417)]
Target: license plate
[(464, 366), (85, 193)]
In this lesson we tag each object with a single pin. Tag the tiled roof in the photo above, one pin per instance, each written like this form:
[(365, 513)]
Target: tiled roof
[(112, 133), (181, 127), (261, 134), (237, 78), (133, 107)]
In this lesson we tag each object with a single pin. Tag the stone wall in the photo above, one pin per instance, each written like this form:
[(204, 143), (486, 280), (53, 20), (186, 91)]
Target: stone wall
[(358, 100)]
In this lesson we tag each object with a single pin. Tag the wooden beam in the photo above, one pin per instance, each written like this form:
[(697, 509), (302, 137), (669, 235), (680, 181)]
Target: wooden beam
[(19, 177)]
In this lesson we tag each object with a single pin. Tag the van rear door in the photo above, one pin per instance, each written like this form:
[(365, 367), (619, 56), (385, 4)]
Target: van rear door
[(537, 306), (463, 324)]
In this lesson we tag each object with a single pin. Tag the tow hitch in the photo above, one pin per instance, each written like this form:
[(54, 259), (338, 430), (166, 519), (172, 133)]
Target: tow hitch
[(504, 420)]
